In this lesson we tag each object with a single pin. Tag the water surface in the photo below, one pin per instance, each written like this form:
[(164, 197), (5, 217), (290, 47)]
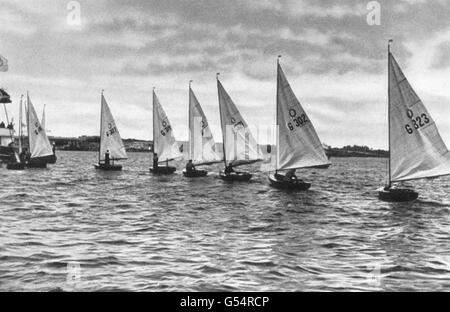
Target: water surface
[(73, 228)]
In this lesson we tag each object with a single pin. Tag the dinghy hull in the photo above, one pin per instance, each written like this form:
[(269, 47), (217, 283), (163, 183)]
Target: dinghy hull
[(195, 173), (286, 185), (397, 195), (236, 176), (163, 170), (15, 166), (50, 159), (105, 167), (36, 163)]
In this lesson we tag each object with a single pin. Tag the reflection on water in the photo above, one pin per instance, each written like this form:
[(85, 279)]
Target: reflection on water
[(73, 228)]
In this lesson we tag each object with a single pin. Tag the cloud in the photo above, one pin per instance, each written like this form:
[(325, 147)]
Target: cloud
[(336, 63)]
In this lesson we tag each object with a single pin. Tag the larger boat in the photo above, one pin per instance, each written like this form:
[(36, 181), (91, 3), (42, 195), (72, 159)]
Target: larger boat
[(6, 131), (416, 149), (298, 145)]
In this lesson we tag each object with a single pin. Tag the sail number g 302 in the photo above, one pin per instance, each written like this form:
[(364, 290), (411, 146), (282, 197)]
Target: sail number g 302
[(297, 121), (418, 121)]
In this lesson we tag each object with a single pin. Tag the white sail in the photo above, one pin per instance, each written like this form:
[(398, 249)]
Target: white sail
[(202, 148), (110, 139), (39, 144), (43, 118), (416, 148), (298, 143), (164, 143), (240, 147)]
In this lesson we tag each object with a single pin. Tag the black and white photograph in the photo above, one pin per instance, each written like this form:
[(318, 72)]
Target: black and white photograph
[(211, 146)]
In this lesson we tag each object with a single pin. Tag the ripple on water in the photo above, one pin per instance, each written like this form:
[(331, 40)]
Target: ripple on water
[(136, 232)]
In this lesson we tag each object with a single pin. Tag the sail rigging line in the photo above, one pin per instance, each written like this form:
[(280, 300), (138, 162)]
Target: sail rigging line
[(389, 112), (101, 123), (189, 117), (277, 127), (153, 120)]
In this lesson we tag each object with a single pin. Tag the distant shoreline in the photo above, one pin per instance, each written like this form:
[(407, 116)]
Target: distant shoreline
[(91, 143)]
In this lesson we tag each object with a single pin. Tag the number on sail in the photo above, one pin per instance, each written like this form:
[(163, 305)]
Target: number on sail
[(417, 122)]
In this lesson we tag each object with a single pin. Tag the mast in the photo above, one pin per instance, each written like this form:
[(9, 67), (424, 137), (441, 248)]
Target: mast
[(276, 122), (221, 123), (101, 121), (28, 122), (153, 130), (189, 116), (389, 110)]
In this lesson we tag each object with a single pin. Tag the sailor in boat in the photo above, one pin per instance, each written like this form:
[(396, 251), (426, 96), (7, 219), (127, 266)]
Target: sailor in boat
[(155, 161), (107, 158), (23, 155), (54, 148), (190, 166), (229, 169)]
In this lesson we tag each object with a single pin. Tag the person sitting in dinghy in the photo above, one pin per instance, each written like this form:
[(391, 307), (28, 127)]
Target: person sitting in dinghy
[(229, 169), (107, 158), (190, 166), (291, 177), (155, 161)]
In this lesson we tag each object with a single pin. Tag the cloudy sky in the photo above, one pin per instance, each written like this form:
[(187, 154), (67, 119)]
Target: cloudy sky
[(335, 61)]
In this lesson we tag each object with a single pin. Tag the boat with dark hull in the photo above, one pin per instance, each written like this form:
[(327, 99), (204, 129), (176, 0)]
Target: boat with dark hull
[(111, 145), (416, 149), (279, 183), (239, 145), (163, 170), (106, 167), (195, 173), (397, 194), (165, 147), (235, 176), (202, 147), (298, 145)]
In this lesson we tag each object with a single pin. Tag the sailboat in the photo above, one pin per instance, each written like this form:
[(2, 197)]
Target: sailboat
[(40, 148), (239, 145), (165, 147), (416, 149), (202, 148), (111, 144), (298, 145)]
